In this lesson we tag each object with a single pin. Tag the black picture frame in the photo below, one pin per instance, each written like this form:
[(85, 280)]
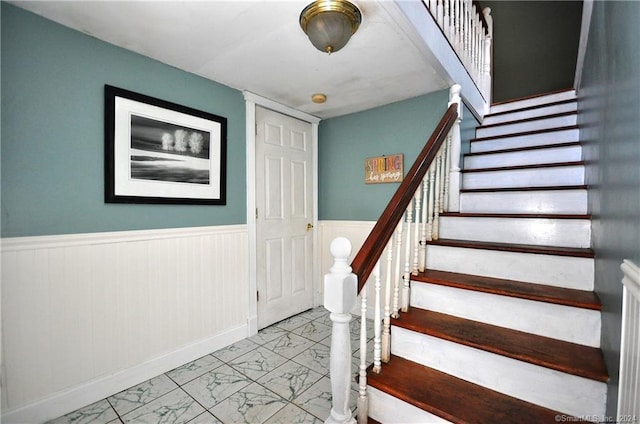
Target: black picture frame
[(158, 152)]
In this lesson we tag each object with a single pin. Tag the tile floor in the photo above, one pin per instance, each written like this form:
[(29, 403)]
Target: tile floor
[(280, 375)]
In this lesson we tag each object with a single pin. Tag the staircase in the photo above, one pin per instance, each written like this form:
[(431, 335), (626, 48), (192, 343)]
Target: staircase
[(504, 325)]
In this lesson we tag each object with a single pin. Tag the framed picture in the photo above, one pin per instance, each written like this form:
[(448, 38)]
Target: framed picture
[(161, 152)]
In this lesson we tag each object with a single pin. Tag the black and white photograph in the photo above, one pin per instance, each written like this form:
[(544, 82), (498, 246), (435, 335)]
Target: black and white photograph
[(161, 152)]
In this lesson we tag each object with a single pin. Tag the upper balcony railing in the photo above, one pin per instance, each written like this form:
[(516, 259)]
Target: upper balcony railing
[(469, 31)]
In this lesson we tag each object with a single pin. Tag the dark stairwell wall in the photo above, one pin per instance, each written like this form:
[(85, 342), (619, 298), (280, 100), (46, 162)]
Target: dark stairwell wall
[(535, 44)]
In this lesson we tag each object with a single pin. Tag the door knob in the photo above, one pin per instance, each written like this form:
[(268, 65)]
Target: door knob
[(309, 226)]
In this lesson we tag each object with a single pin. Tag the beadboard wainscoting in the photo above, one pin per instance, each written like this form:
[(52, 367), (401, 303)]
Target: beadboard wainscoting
[(87, 315), (629, 386)]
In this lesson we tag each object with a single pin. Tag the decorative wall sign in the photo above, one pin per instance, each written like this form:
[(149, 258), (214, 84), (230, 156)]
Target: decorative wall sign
[(384, 169), (161, 152)]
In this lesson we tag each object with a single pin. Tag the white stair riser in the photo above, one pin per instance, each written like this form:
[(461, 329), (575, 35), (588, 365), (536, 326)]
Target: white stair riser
[(517, 141), (534, 101), (536, 231), (556, 390), (572, 201), (558, 271), (530, 177), (575, 325), (531, 113), (535, 125), (385, 408), (525, 157)]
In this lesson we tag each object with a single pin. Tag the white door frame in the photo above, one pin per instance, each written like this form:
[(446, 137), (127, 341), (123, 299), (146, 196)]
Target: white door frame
[(253, 100)]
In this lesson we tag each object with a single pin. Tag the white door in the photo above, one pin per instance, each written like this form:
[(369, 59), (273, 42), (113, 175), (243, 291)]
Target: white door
[(284, 216)]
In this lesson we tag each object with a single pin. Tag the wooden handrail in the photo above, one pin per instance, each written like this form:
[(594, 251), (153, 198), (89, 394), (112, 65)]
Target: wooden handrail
[(370, 252)]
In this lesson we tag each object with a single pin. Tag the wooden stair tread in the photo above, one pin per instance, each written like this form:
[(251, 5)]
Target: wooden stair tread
[(454, 399), (524, 133), (525, 148), (521, 248), (525, 120), (515, 215), (532, 96), (518, 289), (559, 355), (519, 167), (530, 108), (533, 188)]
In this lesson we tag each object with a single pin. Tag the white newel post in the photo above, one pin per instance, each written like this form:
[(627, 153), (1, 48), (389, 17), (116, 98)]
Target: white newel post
[(340, 293), (454, 154)]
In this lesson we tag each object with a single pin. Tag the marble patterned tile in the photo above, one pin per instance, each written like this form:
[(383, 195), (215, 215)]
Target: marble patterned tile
[(193, 369), (205, 418), (96, 413), (316, 358), (313, 330), (326, 341), (268, 334), (289, 345), (231, 352), (252, 404), (326, 319), (316, 313), (317, 400), (291, 414), (215, 386), (258, 362), (175, 407), (141, 394), (290, 380), (292, 323)]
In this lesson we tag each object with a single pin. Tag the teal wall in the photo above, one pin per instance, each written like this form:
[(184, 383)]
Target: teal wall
[(609, 109), (535, 46), (53, 131), (345, 142)]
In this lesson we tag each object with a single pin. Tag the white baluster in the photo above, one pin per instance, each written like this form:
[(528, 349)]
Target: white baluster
[(432, 200), (377, 321), (446, 152), (433, 7), (479, 47), (454, 155), (446, 18), (397, 275), (340, 292), (486, 71), (407, 258), (458, 42), (386, 327), (363, 401), (425, 213), (440, 14), (474, 40), (416, 228), (436, 197)]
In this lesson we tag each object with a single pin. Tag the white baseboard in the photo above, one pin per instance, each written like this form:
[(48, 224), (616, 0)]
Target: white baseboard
[(74, 398)]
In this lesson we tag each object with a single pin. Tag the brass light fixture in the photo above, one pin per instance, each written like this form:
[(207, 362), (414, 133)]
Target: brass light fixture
[(329, 24)]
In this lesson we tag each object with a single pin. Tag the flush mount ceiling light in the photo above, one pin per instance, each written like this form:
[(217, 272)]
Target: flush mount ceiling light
[(329, 24)]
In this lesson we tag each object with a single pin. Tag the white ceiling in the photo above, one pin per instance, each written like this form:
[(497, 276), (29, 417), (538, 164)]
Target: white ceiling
[(259, 46)]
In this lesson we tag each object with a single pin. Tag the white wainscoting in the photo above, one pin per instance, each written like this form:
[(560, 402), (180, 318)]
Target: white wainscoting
[(629, 386), (85, 316)]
